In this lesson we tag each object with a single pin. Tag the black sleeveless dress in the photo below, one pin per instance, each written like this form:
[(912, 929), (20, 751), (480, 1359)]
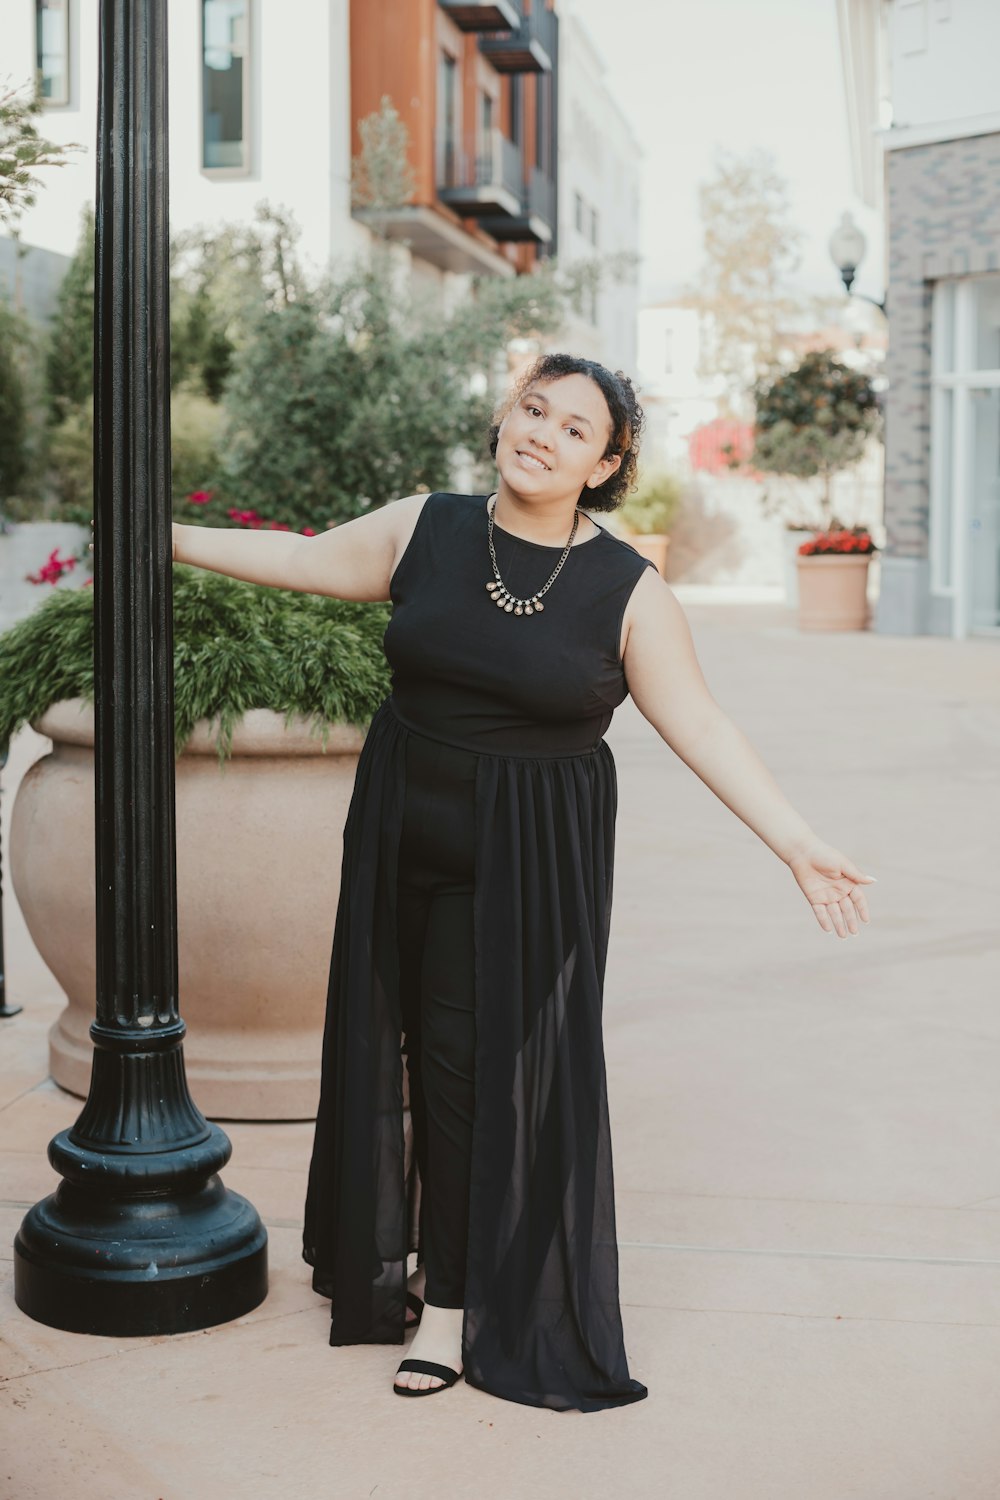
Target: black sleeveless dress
[(532, 696)]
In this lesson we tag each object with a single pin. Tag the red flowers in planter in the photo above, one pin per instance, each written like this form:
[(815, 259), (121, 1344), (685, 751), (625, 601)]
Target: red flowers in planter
[(53, 569), (252, 520), (855, 540)]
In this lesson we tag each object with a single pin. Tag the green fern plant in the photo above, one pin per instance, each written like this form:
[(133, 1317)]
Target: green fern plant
[(237, 646)]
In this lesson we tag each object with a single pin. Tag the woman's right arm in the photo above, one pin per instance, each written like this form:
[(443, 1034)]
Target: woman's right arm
[(353, 560)]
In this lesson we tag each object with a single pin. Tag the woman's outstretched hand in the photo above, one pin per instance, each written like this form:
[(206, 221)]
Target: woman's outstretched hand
[(832, 885)]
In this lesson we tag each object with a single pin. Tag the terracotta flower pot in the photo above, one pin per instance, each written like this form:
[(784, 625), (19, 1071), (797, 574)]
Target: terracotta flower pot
[(833, 591), (652, 544), (792, 538), (259, 843)]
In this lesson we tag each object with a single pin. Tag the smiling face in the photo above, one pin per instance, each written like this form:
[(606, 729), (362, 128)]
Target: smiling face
[(553, 441)]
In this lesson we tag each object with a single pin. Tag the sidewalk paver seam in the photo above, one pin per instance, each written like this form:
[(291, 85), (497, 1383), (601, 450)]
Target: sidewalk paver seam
[(770, 1312), (923, 1260)]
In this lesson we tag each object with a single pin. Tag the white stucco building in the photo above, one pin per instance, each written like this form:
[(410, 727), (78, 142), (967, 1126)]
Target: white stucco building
[(598, 197), (263, 107)]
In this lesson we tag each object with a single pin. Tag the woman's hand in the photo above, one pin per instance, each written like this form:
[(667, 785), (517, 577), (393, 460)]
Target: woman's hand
[(831, 884)]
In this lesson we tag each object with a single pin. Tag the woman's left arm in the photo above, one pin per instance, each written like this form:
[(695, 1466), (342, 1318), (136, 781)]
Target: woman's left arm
[(668, 687)]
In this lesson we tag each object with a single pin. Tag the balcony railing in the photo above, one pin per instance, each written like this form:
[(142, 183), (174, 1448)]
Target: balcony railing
[(488, 181), (528, 48), (483, 15), (542, 196), (535, 222)]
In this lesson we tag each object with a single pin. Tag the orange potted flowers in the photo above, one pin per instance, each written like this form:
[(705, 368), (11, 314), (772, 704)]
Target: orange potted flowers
[(833, 579)]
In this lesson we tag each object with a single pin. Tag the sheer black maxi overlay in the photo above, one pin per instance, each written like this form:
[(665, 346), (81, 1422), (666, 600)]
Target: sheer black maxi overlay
[(542, 1322)]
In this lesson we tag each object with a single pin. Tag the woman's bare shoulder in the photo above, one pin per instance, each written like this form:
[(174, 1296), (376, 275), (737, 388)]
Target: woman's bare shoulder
[(405, 514)]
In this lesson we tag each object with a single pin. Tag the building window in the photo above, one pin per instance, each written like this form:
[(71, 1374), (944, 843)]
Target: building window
[(593, 227), (447, 115), (964, 521), (516, 106), (52, 49), (486, 117), (543, 123), (578, 212), (225, 28)]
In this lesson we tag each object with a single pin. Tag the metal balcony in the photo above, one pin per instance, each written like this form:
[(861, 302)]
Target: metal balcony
[(489, 182), (483, 15), (535, 220), (528, 48)]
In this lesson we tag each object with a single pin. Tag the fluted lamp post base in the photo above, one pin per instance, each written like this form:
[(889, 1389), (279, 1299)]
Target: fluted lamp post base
[(162, 1246)]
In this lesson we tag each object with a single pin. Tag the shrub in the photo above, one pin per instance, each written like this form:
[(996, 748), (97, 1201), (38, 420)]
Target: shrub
[(69, 355), (13, 407), (655, 504), (814, 420), (237, 646), (71, 463), (195, 423)]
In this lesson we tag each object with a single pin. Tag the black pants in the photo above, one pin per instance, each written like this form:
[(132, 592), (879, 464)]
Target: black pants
[(437, 997)]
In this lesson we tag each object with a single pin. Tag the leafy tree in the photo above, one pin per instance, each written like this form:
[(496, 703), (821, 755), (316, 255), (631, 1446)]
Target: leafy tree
[(221, 277), (751, 248), (381, 175), (23, 435), (23, 150), (814, 420), (351, 392), (69, 357), (13, 406), (360, 392)]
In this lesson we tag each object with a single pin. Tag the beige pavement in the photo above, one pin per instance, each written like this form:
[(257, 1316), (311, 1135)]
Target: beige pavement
[(806, 1135)]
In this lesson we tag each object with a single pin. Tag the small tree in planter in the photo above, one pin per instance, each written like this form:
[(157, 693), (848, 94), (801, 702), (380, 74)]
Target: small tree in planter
[(273, 691), (812, 422)]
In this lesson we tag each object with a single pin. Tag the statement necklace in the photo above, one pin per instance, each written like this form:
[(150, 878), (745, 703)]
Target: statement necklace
[(498, 590)]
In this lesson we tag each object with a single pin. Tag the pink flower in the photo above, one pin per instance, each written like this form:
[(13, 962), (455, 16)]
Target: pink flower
[(52, 569), (308, 531), (279, 526), (200, 497)]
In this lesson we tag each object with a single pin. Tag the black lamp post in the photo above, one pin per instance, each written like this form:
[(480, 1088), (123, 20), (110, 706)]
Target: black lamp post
[(847, 247), (141, 1236)]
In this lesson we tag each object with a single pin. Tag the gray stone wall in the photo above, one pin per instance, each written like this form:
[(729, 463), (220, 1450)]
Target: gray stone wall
[(32, 279), (944, 220)]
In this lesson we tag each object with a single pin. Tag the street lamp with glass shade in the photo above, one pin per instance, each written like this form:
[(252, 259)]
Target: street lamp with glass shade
[(847, 246)]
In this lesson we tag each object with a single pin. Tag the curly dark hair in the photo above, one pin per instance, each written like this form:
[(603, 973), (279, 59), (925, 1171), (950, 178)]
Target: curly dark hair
[(626, 420)]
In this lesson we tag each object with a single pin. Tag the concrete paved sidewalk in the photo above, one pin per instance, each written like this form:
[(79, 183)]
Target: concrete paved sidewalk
[(805, 1148)]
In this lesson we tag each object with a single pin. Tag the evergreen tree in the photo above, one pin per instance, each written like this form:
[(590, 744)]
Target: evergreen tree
[(69, 358), (13, 406)]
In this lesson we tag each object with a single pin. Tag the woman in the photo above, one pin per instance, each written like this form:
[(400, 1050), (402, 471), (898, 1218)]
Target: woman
[(472, 927)]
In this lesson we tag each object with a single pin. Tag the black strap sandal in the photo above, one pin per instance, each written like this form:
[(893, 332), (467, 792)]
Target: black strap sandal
[(426, 1367), (416, 1306)]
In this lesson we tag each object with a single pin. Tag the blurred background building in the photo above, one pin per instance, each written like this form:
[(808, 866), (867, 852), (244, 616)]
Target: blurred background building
[(516, 145), (924, 110)]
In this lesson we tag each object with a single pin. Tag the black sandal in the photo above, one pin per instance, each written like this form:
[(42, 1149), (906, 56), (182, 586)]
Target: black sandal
[(426, 1367), (416, 1306)]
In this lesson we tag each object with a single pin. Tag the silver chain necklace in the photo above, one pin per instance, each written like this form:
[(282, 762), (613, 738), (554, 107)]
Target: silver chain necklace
[(498, 590)]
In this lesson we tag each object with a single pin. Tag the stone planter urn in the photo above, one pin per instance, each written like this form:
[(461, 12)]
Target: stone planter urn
[(652, 544), (259, 845), (833, 591)]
